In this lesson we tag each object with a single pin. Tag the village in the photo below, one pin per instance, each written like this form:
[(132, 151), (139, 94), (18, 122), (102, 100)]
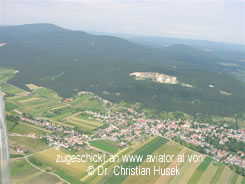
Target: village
[(128, 125)]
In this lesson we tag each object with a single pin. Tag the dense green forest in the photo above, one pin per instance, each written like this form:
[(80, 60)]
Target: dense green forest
[(68, 61)]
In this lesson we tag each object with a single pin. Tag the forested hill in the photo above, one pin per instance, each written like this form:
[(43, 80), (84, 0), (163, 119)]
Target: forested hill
[(67, 61)]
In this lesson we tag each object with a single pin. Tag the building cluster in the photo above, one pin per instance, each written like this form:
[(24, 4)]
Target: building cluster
[(128, 125), (60, 136)]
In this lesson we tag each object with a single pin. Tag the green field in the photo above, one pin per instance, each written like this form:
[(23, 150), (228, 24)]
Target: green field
[(44, 102), (217, 173), (147, 149), (10, 89), (106, 145), (10, 106), (6, 74), (32, 104), (30, 144), (88, 102), (168, 148), (23, 173), (200, 171), (79, 119), (25, 128)]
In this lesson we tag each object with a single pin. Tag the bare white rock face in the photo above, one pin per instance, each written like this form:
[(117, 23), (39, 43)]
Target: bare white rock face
[(2, 44), (158, 77), (161, 78)]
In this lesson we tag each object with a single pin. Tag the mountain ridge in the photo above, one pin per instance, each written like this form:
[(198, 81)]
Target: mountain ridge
[(103, 63)]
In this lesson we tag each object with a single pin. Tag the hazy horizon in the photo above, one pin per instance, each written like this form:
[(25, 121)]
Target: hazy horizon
[(213, 20), (124, 35)]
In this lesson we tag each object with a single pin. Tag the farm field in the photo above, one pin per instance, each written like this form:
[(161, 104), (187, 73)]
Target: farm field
[(199, 172), (45, 103), (166, 179), (23, 173), (32, 104), (105, 145), (82, 121), (6, 74), (94, 179), (145, 150), (88, 119), (31, 145), (12, 90), (88, 102), (202, 172), (10, 106), (25, 128), (167, 148), (98, 178), (32, 86), (71, 172)]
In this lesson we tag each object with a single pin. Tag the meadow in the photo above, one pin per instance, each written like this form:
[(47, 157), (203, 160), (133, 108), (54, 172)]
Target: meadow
[(25, 128), (23, 173), (105, 145)]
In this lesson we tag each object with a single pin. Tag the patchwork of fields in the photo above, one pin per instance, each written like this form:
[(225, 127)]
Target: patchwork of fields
[(201, 172), (83, 121), (190, 172), (45, 103), (71, 172)]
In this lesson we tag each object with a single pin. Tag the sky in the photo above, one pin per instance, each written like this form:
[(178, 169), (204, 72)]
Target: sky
[(215, 20)]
